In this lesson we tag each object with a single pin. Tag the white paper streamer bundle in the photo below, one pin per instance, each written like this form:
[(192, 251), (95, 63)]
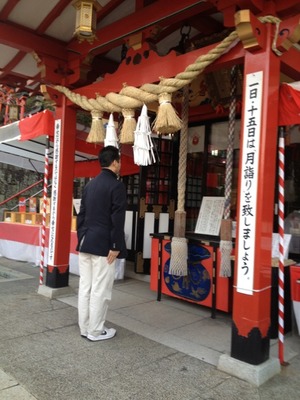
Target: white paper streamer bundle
[(143, 147), (111, 138)]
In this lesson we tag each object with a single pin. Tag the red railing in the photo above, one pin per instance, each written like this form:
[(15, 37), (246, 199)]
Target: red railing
[(21, 191)]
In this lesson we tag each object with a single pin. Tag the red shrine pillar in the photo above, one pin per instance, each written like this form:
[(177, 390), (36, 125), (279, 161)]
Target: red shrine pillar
[(252, 284), (57, 274)]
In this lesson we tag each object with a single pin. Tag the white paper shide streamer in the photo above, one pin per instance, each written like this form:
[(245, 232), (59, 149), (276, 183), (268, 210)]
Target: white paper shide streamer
[(143, 147), (111, 138)]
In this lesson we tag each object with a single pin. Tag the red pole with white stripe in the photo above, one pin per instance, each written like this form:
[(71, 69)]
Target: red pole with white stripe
[(281, 246), (45, 189)]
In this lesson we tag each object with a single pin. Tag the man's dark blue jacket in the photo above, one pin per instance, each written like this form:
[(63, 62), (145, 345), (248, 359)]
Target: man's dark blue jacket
[(101, 219)]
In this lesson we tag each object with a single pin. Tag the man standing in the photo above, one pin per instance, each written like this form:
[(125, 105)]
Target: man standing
[(101, 239)]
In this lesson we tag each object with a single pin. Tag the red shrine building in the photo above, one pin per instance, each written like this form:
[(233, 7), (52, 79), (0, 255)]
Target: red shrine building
[(220, 81)]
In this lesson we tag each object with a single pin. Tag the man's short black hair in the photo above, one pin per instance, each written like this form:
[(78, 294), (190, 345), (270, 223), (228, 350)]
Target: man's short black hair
[(108, 155)]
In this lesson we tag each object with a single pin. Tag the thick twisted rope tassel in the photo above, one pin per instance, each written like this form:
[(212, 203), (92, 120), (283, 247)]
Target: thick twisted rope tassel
[(96, 107), (96, 134), (170, 85), (128, 126), (179, 245), (128, 105), (226, 242), (167, 120), (163, 91)]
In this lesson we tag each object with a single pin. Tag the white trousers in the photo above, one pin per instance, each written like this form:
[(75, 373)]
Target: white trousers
[(95, 291)]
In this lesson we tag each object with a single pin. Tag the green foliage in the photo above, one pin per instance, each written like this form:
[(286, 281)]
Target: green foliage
[(38, 103)]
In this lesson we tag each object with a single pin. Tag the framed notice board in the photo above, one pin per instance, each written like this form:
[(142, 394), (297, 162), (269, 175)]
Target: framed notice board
[(210, 216)]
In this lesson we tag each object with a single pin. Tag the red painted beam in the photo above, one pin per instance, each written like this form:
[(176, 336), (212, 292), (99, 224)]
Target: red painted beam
[(7, 9), (161, 12), (257, 6), (27, 41), (89, 169), (88, 148), (53, 14), (170, 66), (290, 65), (287, 8), (83, 146), (12, 64), (108, 8)]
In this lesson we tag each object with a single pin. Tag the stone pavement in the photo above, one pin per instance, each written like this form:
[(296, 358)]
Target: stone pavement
[(163, 350)]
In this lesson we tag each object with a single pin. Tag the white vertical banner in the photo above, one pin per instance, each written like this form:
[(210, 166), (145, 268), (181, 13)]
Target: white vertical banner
[(55, 191), (251, 132)]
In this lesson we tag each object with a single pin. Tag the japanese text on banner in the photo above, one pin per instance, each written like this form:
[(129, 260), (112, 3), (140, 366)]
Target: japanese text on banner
[(251, 133)]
